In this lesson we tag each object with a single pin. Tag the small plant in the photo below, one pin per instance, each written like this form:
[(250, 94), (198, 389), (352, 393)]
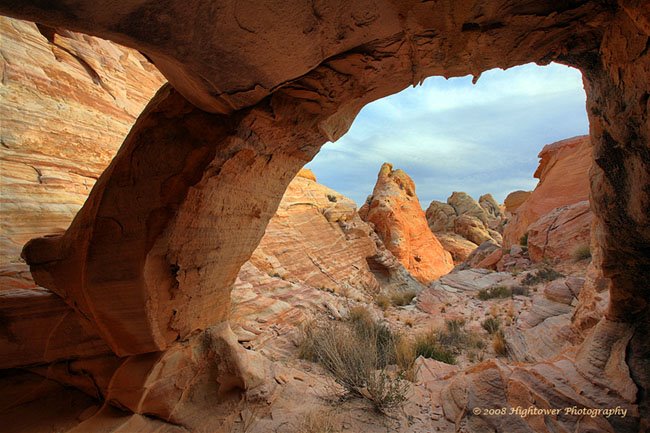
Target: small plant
[(357, 353), (427, 345), (401, 298), (583, 252), (494, 292), (523, 241), (382, 301), (520, 291), (491, 325), (331, 198), (499, 343), (544, 274)]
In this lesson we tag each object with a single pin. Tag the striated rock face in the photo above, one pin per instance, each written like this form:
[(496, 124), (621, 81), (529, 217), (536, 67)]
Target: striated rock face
[(395, 212), (462, 224), (317, 238), (563, 174), (560, 233), (68, 101)]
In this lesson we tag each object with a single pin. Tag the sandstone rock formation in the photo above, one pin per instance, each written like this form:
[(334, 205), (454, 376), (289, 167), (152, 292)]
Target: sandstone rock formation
[(395, 212), (317, 238), (141, 238), (462, 224), (559, 234), (563, 174), (514, 200)]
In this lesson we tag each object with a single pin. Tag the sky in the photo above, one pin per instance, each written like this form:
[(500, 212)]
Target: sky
[(451, 135)]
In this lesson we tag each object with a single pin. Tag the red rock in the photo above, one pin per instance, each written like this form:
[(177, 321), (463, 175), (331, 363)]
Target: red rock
[(397, 216), (490, 262), (558, 234), (563, 174), (516, 199)]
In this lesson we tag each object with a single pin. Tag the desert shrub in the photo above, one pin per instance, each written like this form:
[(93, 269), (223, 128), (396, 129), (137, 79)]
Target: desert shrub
[(583, 252), (541, 275), (494, 292), (491, 325), (427, 345), (331, 198), (523, 240), (499, 343), (520, 290), (403, 297), (357, 353)]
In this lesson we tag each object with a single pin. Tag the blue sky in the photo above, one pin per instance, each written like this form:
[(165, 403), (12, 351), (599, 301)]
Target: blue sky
[(451, 135)]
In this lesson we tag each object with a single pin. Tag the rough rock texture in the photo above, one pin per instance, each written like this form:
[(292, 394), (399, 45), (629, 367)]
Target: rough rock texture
[(464, 224), (557, 235), (563, 174), (396, 214), (228, 178)]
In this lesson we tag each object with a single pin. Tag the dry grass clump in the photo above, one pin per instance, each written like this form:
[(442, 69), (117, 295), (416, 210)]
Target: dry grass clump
[(397, 298), (402, 297), (428, 345), (446, 344), (583, 252), (358, 353), (317, 422), (542, 275), (491, 325), (499, 343)]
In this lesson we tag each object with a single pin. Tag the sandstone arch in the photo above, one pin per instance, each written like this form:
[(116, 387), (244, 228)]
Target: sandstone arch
[(281, 78)]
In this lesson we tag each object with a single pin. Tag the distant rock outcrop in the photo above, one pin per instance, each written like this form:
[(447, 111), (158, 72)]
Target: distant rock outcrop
[(462, 224), (397, 216), (317, 238), (563, 174)]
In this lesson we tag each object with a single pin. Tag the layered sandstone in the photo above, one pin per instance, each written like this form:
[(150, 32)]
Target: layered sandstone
[(397, 217), (317, 238), (68, 101), (563, 174)]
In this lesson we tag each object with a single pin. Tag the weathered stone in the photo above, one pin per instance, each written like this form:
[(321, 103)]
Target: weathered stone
[(563, 174), (558, 235), (440, 217), (399, 221)]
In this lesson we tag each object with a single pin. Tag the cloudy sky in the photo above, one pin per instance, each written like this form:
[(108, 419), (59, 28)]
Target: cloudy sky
[(450, 135)]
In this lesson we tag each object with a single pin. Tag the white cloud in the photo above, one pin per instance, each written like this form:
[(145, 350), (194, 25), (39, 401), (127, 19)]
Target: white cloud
[(450, 135)]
